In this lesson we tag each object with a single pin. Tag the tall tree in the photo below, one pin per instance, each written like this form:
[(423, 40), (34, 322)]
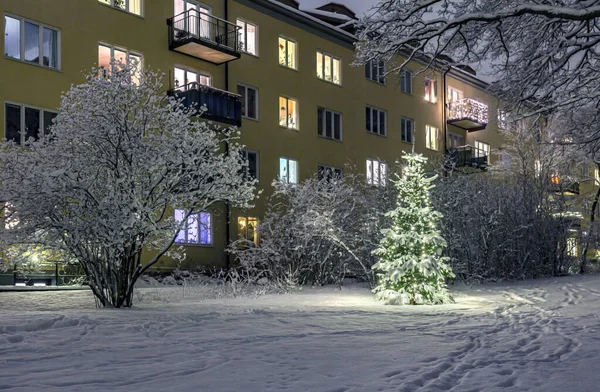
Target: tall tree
[(102, 185)]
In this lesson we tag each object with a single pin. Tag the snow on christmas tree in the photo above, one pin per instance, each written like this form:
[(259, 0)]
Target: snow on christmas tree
[(411, 268)]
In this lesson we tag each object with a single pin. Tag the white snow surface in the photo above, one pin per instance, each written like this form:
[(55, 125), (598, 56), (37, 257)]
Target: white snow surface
[(541, 335)]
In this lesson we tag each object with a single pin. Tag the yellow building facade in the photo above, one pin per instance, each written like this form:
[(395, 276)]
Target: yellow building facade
[(283, 75)]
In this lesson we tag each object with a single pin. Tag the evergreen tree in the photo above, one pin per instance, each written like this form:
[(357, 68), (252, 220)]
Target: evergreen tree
[(411, 268)]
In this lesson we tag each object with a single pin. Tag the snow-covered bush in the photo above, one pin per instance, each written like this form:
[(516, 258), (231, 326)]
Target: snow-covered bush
[(100, 187), (411, 269)]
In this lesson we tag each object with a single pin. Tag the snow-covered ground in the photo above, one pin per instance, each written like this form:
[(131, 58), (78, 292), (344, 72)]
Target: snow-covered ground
[(531, 336)]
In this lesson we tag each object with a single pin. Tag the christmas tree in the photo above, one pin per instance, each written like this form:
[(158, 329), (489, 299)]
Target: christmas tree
[(411, 268)]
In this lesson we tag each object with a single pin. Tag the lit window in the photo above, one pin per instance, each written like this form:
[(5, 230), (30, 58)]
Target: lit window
[(597, 176), (23, 122), (193, 19), (186, 79), (248, 37), (502, 119), (375, 71), (250, 171), (32, 42), (406, 77), (376, 172), (572, 247), (431, 90), (288, 170), (407, 127), (431, 137), (249, 101), (454, 95), (329, 68), (288, 113), (287, 53), (247, 229), (329, 124), (481, 149), (133, 6), (376, 121), (106, 53), (196, 230), (328, 173)]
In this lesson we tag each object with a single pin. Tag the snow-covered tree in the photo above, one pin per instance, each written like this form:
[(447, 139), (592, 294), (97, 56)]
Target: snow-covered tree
[(102, 185), (411, 268)]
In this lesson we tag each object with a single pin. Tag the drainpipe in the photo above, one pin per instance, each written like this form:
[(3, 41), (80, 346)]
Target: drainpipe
[(227, 206)]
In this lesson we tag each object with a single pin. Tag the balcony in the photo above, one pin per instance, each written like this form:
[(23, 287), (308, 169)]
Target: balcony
[(204, 36), (222, 106), (565, 186), (466, 157), (468, 114)]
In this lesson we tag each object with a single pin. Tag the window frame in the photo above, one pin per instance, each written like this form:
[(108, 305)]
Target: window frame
[(41, 26), (246, 218), (322, 167), (332, 57), (403, 120), (287, 41), (381, 180), (128, 52), (185, 229), (246, 23), (245, 153), (457, 91), (111, 4), (373, 108), (246, 87), (432, 83), (22, 125), (324, 124), (435, 146), (287, 103), (403, 80), (487, 149), (287, 160), (380, 66), (188, 69)]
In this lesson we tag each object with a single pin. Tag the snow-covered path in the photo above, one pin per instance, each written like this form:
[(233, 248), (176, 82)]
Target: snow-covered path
[(530, 336)]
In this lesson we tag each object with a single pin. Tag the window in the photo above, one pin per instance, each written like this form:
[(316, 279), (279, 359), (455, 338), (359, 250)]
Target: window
[(329, 124), (502, 119), (454, 95), (585, 172), (32, 120), (329, 68), (107, 53), (288, 170), (197, 229), (407, 127), (504, 160), (375, 71), (329, 173), (572, 247), (287, 53), (288, 113), (376, 121), (431, 137), (597, 176), (31, 42), (247, 229), (406, 81), (133, 6), (481, 149), (249, 101), (431, 90), (186, 79), (248, 37), (195, 20), (456, 140), (376, 172), (250, 171)]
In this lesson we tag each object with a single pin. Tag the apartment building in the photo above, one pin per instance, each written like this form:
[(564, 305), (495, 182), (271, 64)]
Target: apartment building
[(283, 75)]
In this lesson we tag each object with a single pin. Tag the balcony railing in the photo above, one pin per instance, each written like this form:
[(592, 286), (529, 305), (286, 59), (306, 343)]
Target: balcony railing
[(204, 36), (559, 184), (469, 114), (222, 106), (467, 156)]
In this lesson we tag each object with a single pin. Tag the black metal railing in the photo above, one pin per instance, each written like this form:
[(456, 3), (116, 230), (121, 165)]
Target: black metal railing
[(196, 25), (467, 156), (222, 106)]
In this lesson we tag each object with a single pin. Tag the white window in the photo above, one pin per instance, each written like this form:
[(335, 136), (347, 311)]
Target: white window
[(329, 124), (376, 121), (329, 172), (133, 6), (23, 122), (329, 68), (375, 71), (288, 170), (431, 137), (193, 18), (107, 53), (376, 172), (248, 37), (249, 101), (454, 95), (572, 245), (407, 130), (288, 113), (502, 119), (406, 77), (186, 79), (287, 53), (247, 229), (597, 176), (31, 42), (196, 230), (250, 171), (431, 90), (481, 149)]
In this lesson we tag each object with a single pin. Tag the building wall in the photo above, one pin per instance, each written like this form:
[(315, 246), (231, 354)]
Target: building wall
[(85, 24)]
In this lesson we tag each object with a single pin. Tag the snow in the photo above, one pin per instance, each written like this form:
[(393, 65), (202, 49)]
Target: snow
[(530, 336)]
